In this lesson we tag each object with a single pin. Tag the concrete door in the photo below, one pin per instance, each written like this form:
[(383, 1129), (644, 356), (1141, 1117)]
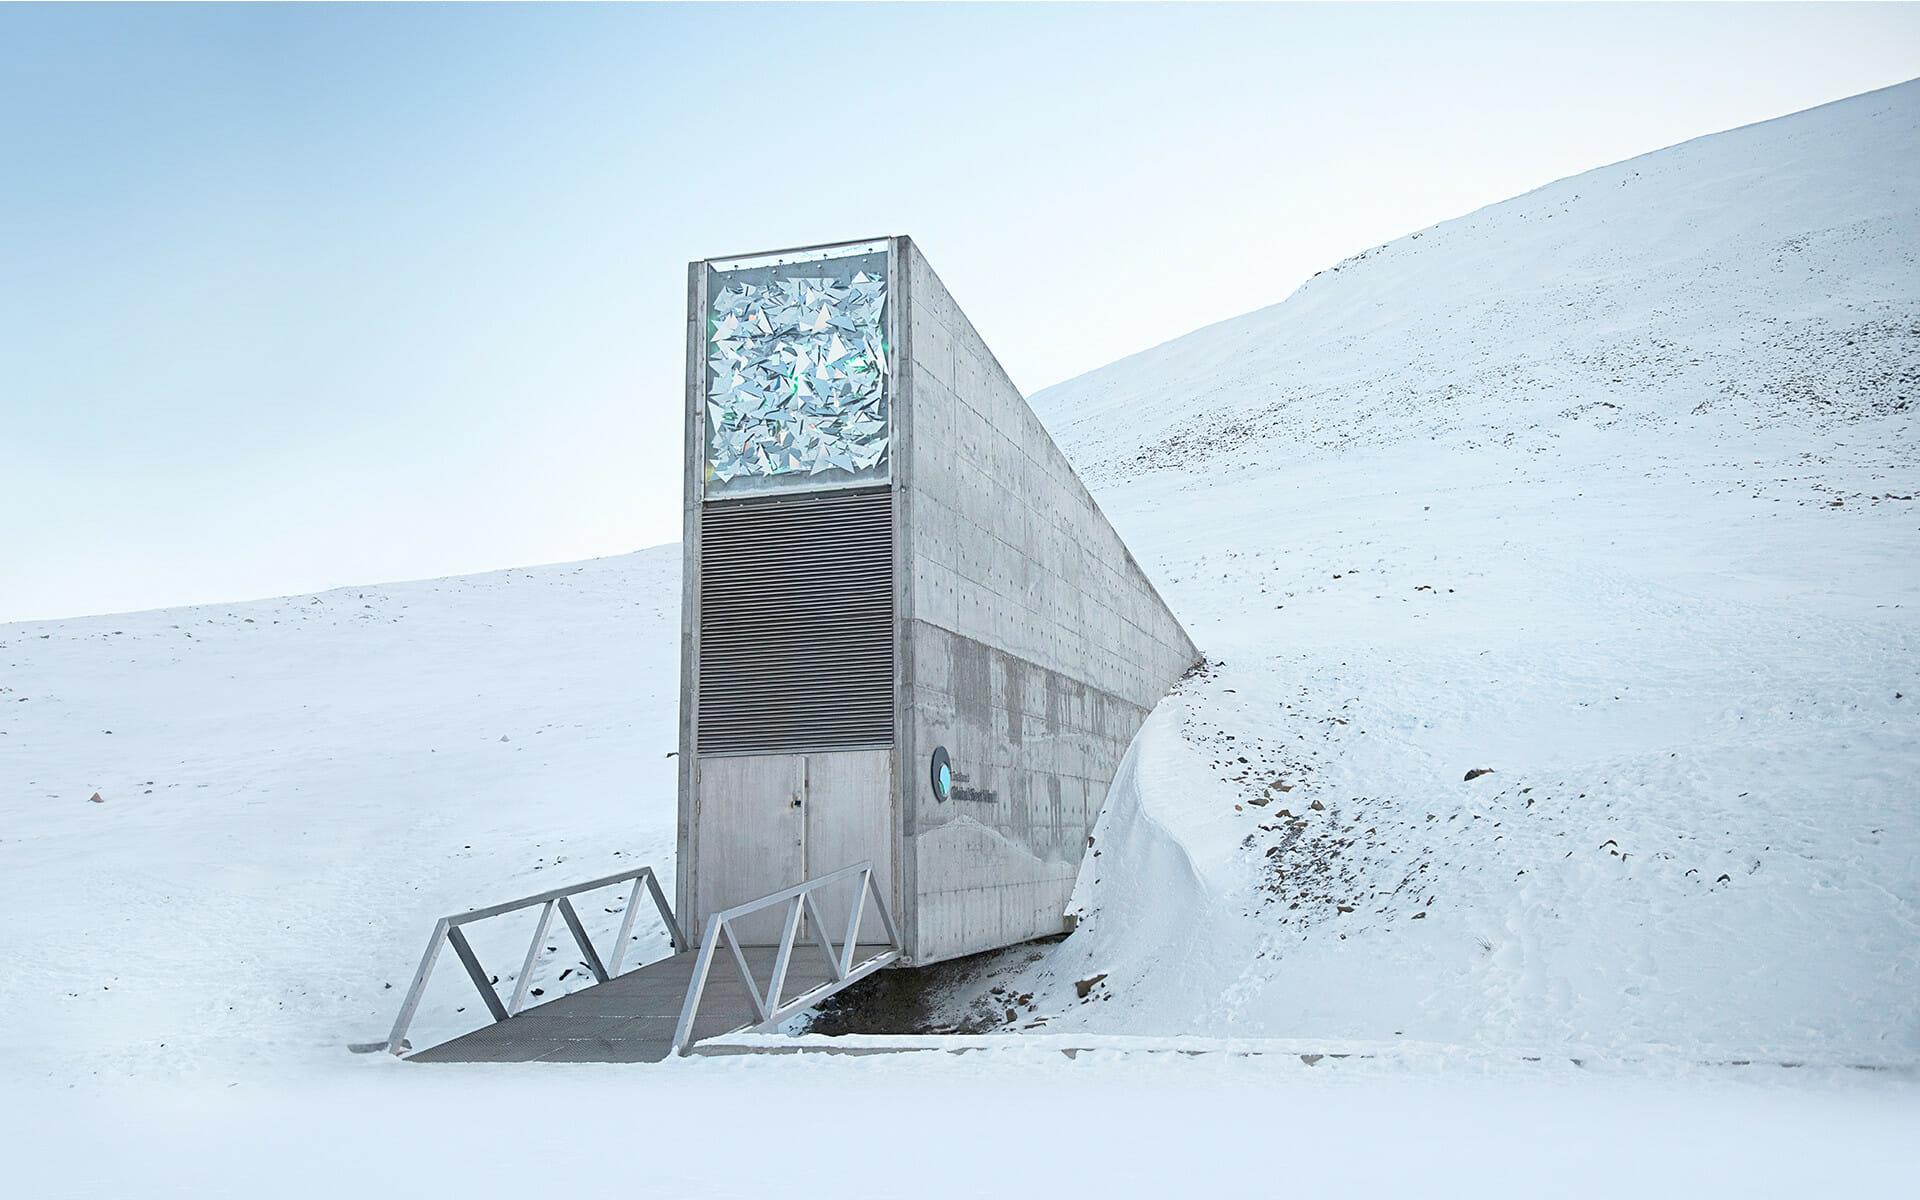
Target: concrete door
[(849, 819), (750, 838)]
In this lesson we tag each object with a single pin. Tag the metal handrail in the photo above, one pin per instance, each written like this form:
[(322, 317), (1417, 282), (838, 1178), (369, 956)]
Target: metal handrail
[(767, 1005), (447, 930)]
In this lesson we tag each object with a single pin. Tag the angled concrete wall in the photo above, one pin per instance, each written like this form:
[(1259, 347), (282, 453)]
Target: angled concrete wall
[(1032, 645)]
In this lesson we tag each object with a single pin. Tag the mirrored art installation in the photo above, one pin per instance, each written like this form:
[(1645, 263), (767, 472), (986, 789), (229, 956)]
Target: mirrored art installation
[(797, 386)]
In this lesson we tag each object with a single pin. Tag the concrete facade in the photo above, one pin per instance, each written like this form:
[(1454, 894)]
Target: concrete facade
[(1028, 644), (1033, 646)]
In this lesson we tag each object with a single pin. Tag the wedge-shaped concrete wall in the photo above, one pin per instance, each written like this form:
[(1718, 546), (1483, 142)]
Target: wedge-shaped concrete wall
[(1032, 649), (887, 556)]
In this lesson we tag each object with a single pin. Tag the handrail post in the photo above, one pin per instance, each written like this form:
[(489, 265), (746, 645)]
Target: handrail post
[(521, 984), (397, 1040), (626, 927), (696, 987), (824, 940), (858, 910), (476, 972), (886, 917), (781, 957), (580, 937), (678, 939), (746, 972)]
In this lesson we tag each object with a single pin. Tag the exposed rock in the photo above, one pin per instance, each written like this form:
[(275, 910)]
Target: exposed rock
[(1084, 986), (1477, 772)]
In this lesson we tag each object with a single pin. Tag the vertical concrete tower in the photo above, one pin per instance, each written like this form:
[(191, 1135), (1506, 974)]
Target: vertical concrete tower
[(909, 635)]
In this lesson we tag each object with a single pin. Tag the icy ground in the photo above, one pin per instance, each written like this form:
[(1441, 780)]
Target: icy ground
[(1608, 489)]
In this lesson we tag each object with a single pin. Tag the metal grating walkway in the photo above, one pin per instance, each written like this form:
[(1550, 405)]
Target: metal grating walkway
[(630, 1018)]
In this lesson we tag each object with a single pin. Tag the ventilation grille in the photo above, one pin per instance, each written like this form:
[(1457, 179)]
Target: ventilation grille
[(796, 623)]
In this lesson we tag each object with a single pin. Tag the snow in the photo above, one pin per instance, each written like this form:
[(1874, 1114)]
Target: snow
[(293, 790), (1607, 488), (1009, 1123), (1571, 489)]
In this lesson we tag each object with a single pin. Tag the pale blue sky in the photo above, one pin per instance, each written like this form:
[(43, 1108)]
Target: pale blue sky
[(299, 297)]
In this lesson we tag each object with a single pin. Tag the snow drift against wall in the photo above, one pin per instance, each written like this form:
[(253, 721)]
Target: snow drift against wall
[(1607, 490)]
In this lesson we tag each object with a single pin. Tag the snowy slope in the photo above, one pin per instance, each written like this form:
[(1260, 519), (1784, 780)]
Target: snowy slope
[(1761, 277), (1608, 488), (292, 790)]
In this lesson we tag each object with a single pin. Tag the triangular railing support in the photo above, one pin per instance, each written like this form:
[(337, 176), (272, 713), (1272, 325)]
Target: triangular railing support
[(768, 1006)]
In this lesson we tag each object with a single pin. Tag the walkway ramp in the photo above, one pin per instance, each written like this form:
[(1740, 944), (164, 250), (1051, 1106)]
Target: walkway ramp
[(632, 1018), (654, 1011)]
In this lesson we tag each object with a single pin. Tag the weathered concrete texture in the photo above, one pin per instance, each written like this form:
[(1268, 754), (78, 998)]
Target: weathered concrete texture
[(1034, 645)]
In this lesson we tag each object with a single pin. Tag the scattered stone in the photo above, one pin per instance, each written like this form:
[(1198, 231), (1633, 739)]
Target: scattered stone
[(1420, 916), (1477, 772), (1317, 806), (95, 799), (1085, 986), (1259, 801)]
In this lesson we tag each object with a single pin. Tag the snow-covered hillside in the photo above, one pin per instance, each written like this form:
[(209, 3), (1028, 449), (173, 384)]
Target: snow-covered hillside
[(1607, 490), (290, 791), (1610, 489)]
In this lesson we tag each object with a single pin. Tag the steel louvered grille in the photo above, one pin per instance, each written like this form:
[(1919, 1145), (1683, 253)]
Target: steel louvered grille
[(796, 623)]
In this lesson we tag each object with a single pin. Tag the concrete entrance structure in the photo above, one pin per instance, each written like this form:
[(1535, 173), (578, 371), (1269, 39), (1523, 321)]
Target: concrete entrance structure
[(890, 567)]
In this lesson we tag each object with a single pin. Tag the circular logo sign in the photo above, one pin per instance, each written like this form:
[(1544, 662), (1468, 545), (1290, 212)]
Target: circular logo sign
[(941, 772)]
